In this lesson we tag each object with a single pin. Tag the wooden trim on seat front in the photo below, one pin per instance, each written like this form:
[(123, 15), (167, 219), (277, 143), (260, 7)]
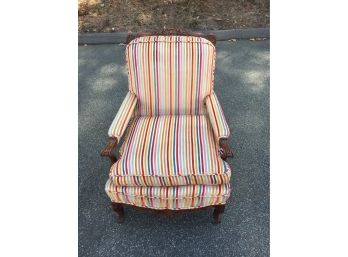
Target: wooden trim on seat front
[(119, 209)]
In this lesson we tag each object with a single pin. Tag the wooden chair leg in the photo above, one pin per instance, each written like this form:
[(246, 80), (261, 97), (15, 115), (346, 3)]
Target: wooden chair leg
[(217, 212), (118, 208)]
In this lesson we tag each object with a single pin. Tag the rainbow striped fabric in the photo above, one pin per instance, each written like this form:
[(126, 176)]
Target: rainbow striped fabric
[(173, 198), (170, 151), (123, 116), (170, 75), (217, 117), (170, 155)]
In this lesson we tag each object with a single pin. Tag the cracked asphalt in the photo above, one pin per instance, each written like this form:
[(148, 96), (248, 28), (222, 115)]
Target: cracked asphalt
[(242, 85)]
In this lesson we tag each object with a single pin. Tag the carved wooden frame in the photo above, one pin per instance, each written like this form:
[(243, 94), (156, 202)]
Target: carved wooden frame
[(225, 150), (171, 32), (119, 209)]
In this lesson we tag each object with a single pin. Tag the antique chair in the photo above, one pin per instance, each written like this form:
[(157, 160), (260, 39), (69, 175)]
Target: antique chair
[(175, 134)]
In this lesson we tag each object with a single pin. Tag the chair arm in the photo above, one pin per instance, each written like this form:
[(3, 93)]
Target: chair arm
[(216, 117), (225, 150), (108, 151), (123, 116)]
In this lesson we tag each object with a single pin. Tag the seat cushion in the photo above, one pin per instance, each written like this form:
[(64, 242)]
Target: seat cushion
[(174, 198), (170, 151)]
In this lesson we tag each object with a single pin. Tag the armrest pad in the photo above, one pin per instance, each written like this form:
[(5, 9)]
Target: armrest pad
[(123, 116), (216, 117)]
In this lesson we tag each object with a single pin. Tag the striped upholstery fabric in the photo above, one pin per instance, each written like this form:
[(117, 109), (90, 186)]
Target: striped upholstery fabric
[(216, 117), (123, 116), (174, 198), (170, 75), (170, 151)]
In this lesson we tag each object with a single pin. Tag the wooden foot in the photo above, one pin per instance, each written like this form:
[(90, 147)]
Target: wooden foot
[(118, 208), (217, 212)]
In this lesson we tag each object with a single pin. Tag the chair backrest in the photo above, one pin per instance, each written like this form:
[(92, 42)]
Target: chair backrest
[(170, 75)]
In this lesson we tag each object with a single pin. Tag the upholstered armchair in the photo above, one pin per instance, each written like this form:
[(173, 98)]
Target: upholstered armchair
[(173, 128)]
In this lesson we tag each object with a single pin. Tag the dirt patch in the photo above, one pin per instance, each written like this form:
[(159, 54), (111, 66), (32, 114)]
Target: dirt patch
[(142, 15)]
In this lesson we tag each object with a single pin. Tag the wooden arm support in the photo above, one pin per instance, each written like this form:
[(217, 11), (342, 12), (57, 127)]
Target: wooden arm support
[(225, 150), (108, 151)]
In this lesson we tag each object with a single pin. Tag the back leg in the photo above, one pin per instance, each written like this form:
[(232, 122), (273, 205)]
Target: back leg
[(217, 212), (118, 208)]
